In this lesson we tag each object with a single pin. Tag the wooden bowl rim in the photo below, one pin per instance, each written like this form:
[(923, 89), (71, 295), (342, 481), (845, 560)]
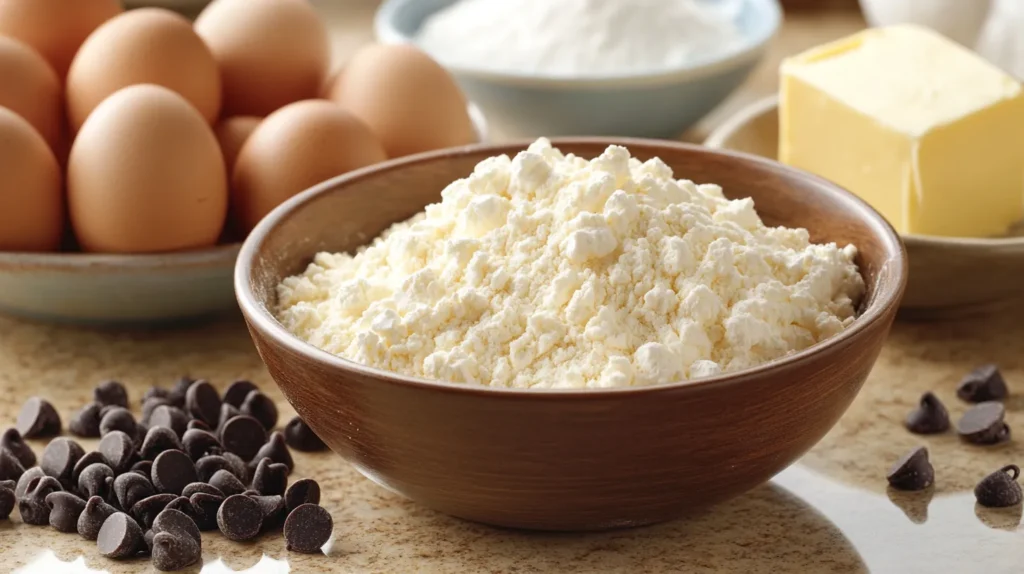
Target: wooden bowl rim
[(739, 121), (884, 303)]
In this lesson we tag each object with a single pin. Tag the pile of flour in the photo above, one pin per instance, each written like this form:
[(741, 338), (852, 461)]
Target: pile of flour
[(549, 270), (572, 38)]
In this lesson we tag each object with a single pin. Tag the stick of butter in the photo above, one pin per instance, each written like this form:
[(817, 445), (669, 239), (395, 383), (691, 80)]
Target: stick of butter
[(927, 132)]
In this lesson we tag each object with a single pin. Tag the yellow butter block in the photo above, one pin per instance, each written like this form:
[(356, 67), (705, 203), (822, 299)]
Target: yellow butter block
[(924, 130)]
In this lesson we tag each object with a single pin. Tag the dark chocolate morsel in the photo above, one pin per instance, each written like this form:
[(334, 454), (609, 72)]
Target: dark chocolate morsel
[(912, 471), (930, 417), (276, 450), (205, 507), (7, 502), (243, 435), (93, 480), (145, 511), (118, 448), (274, 510), (120, 536), (198, 425), (227, 483), (59, 458), (144, 468), (270, 478), (86, 422), (983, 424), (177, 523), (93, 516), (130, 488), (240, 518), (155, 393), (199, 443), (32, 506), (179, 390), (10, 468), (159, 439), (299, 436), (170, 417), (195, 487), (12, 442), (227, 412), (117, 418), (305, 491), (203, 402), (208, 465), (984, 383), (111, 393), (260, 407), (307, 529), (38, 419), (238, 467), (151, 405), (172, 471), (171, 552), (26, 478), (65, 508), (999, 489), (237, 391), (91, 457)]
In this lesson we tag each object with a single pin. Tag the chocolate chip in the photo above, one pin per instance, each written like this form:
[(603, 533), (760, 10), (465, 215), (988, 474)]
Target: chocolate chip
[(93, 480), (237, 391), (260, 407), (111, 393), (156, 393), (120, 536), (999, 489), (59, 458), (305, 491), (10, 484), (203, 402), (159, 439), (276, 450), (984, 383), (227, 412), (170, 417), (238, 467), (206, 506), (118, 448), (274, 510), (147, 539), (12, 442), (26, 478), (240, 518), (912, 471), (93, 516), (199, 443), (270, 477), (243, 435), (179, 390), (65, 508), (227, 483), (91, 457), (38, 419), (299, 436), (178, 524), (307, 529), (7, 501), (195, 487), (10, 468), (983, 424), (114, 418), (930, 417), (143, 468), (151, 405), (172, 471), (208, 465), (197, 425), (86, 422), (146, 510), (172, 552), (130, 488), (32, 505)]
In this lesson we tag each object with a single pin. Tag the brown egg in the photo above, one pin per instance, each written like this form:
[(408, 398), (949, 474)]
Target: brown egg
[(146, 175), (31, 195), (406, 98), (30, 88), (55, 28), (293, 149), (145, 46), (271, 52), (232, 134)]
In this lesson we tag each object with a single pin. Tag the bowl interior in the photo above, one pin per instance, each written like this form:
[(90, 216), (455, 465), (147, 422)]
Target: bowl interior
[(757, 21), (350, 211)]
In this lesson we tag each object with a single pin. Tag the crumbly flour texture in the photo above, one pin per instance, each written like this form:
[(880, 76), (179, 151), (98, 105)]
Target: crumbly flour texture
[(580, 37), (549, 270)]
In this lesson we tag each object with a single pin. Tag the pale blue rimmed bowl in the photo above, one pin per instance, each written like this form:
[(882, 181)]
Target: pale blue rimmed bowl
[(660, 105)]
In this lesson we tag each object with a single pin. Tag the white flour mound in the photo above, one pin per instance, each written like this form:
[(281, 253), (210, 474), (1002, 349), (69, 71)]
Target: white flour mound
[(549, 270)]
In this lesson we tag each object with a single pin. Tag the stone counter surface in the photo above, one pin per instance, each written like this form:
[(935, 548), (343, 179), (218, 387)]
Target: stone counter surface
[(830, 512)]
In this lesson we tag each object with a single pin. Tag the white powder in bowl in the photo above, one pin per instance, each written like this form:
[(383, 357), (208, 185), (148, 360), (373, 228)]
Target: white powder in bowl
[(549, 270), (571, 38)]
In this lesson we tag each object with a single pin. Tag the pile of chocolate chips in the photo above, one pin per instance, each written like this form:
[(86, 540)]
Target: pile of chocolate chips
[(194, 462), (981, 424)]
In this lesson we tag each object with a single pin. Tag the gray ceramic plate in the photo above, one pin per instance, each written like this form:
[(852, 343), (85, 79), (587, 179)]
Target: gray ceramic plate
[(949, 276)]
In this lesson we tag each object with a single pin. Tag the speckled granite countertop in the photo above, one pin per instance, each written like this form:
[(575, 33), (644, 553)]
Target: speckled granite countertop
[(829, 513)]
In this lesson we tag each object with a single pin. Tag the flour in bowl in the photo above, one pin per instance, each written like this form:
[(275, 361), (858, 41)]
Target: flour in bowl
[(549, 270), (572, 38)]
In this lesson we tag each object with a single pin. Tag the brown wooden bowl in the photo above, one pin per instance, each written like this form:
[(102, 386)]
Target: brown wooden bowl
[(567, 459)]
